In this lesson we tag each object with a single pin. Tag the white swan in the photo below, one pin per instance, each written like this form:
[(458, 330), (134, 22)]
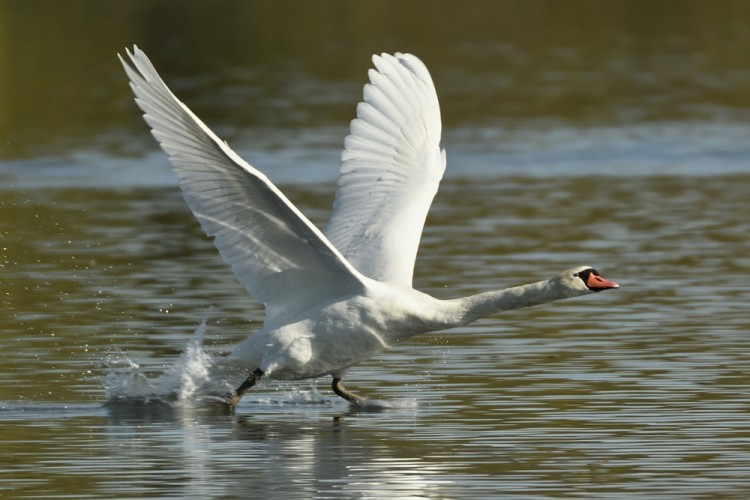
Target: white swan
[(334, 298)]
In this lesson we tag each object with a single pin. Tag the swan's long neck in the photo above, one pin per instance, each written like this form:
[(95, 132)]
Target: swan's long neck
[(468, 309)]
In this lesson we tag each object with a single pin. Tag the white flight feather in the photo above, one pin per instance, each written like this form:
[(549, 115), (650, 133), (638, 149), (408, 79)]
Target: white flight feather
[(391, 168), (280, 257)]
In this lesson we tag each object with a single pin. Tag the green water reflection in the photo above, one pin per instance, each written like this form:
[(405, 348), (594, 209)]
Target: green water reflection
[(639, 391), (298, 63)]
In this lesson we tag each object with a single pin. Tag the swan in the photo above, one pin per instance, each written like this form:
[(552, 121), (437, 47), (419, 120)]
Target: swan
[(337, 297)]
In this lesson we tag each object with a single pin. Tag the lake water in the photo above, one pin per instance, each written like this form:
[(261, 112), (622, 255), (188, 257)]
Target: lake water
[(639, 167)]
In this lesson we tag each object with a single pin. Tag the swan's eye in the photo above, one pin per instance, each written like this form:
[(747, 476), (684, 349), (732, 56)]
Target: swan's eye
[(584, 275)]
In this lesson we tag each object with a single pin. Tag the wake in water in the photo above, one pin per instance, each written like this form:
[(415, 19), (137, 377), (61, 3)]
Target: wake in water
[(194, 377)]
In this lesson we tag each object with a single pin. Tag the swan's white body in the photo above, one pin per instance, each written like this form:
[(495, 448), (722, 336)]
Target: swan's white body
[(333, 299)]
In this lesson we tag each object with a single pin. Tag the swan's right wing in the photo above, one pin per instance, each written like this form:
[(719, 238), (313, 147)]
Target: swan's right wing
[(392, 165), (280, 257)]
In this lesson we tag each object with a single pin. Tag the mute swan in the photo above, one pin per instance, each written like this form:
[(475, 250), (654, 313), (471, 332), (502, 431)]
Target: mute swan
[(333, 298)]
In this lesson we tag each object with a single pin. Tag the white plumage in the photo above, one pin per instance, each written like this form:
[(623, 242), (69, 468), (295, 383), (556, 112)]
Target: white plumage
[(332, 299), (391, 168)]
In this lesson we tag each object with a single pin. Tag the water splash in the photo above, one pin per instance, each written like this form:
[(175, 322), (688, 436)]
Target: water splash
[(197, 377), (188, 379), (381, 405)]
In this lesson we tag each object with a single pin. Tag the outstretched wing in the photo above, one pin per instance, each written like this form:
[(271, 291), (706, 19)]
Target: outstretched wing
[(281, 258), (391, 167)]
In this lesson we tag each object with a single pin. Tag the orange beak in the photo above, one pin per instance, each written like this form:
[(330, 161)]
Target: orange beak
[(597, 283)]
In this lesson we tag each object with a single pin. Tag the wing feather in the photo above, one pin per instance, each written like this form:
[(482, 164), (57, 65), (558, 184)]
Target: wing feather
[(280, 257), (390, 171)]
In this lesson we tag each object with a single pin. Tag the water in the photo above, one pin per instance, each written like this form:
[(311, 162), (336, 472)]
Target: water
[(639, 391), (617, 144)]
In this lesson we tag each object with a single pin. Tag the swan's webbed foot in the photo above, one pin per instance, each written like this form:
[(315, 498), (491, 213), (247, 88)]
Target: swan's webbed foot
[(233, 397), (341, 391)]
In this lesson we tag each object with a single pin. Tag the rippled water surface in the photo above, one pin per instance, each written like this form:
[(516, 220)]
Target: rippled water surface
[(612, 134), (638, 391)]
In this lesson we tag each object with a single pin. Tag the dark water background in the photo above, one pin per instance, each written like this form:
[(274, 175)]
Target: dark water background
[(613, 134)]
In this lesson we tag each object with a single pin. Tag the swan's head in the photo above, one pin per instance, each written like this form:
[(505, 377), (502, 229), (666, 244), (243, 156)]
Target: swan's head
[(585, 279)]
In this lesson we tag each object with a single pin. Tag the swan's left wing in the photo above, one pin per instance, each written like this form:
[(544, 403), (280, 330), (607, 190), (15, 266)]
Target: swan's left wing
[(280, 257), (391, 167)]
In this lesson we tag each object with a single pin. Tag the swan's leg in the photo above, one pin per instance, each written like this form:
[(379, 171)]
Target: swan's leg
[(340, 390), (234, 397)]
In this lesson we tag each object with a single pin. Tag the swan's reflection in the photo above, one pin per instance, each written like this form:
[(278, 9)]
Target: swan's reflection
[(268, 451)]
